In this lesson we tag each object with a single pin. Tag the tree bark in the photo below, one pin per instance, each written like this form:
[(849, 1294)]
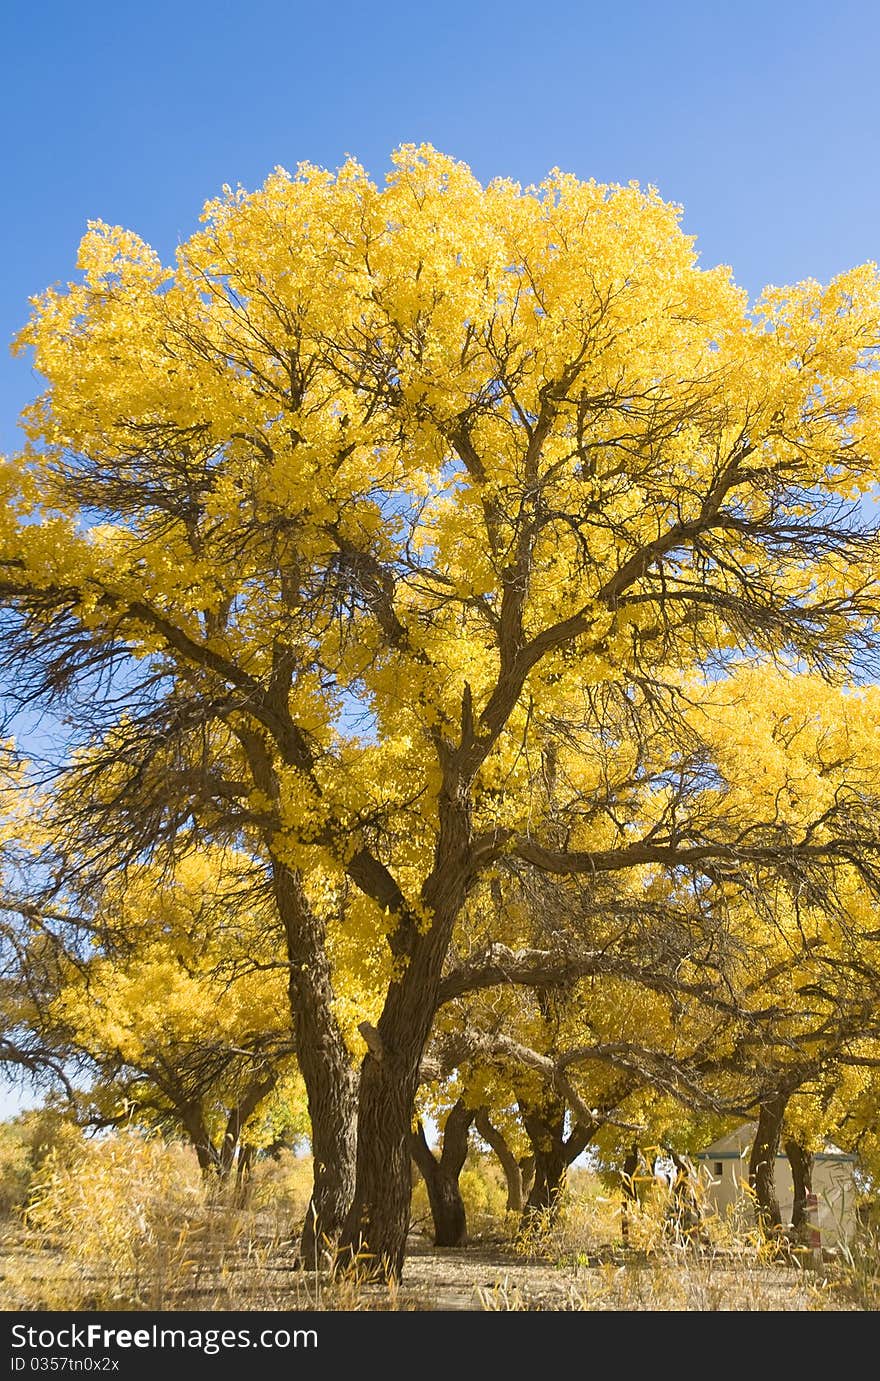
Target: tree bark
[(545, 1128), (322, 1054), (237, 1118), (375, 1230), (325, 1065), (578, 1140), (207, 1153), (514, 1170), (376, 1227), (527, 1170), (441, 1175), (762, 1162), (801, 1162)]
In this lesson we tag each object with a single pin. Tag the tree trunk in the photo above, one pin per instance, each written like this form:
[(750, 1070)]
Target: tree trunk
[(378, 1222), (376, 1227), (545, 1128), (441, 1175), (322, 1054), (325, 1065), (578, 1140), (513, 1169), (207, 1153), (527, 1170), (762, 1163), (238, 1116), (801, 1162)]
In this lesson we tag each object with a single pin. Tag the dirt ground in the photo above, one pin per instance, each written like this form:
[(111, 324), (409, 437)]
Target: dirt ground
[(485, 1276)]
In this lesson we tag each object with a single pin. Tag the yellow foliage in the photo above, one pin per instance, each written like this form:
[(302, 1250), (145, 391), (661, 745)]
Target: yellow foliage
[(426, 495)]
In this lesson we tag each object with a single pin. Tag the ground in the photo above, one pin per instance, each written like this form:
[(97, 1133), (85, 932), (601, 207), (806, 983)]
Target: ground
[(487, 1275)]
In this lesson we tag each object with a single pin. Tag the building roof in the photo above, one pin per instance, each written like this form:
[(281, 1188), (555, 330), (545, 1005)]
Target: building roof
[(737, 1144)]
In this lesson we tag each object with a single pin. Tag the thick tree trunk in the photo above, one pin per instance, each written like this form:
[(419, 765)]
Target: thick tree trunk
[(208, 1161), (377, 1224), (375, 1230), (441, 1175), (801, 1162), (322, 1054), (207, 1153), (325, 1065), (552, 1152), (376, 1227), (514, 1170), (762, 1163), (444, 1195), (545, 1128), (527, 1170)]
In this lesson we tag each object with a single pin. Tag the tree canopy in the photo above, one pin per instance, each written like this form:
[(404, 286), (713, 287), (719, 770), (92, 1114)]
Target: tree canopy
[(415, 537)]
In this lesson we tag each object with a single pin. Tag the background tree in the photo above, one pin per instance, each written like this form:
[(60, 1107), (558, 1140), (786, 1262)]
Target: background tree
[(441, 1171), (180, 1009), (165, 1002)]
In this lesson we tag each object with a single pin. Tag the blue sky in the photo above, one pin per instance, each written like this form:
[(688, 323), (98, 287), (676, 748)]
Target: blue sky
[(759, 118)]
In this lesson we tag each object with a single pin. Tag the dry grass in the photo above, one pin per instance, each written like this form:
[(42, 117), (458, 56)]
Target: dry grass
[(129, 1224), (126, 1223)]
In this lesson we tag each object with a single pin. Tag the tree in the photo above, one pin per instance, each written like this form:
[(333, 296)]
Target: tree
[(165, 1001), (336, 530), (179, 1010), (441, 1173), (518, 1170)]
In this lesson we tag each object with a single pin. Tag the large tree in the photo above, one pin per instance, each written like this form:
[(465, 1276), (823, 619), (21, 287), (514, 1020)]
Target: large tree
[(335, 529)]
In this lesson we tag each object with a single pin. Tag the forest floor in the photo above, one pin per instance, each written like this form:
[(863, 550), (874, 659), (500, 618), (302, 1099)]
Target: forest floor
[(492, 1277), (485, 1276)]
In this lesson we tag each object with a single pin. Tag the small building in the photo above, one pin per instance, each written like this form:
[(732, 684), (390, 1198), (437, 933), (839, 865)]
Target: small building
[(723, 1170)]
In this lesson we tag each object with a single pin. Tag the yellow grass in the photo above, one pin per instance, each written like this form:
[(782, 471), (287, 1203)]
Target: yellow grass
[(126, 1222)]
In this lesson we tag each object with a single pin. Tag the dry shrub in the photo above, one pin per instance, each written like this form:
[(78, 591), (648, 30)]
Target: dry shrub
[(128, 1223), (16, 1169), (25, 1142), (280, 1189), (594, 1219), (858, 1278), (125, 1222), (123, 1214), (650, 1255)]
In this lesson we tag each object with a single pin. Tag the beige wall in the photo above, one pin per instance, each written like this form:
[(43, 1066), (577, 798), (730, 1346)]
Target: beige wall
[(832, 1184)]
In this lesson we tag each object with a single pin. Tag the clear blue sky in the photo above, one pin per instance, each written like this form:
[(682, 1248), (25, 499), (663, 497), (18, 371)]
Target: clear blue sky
[(760, 118)]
